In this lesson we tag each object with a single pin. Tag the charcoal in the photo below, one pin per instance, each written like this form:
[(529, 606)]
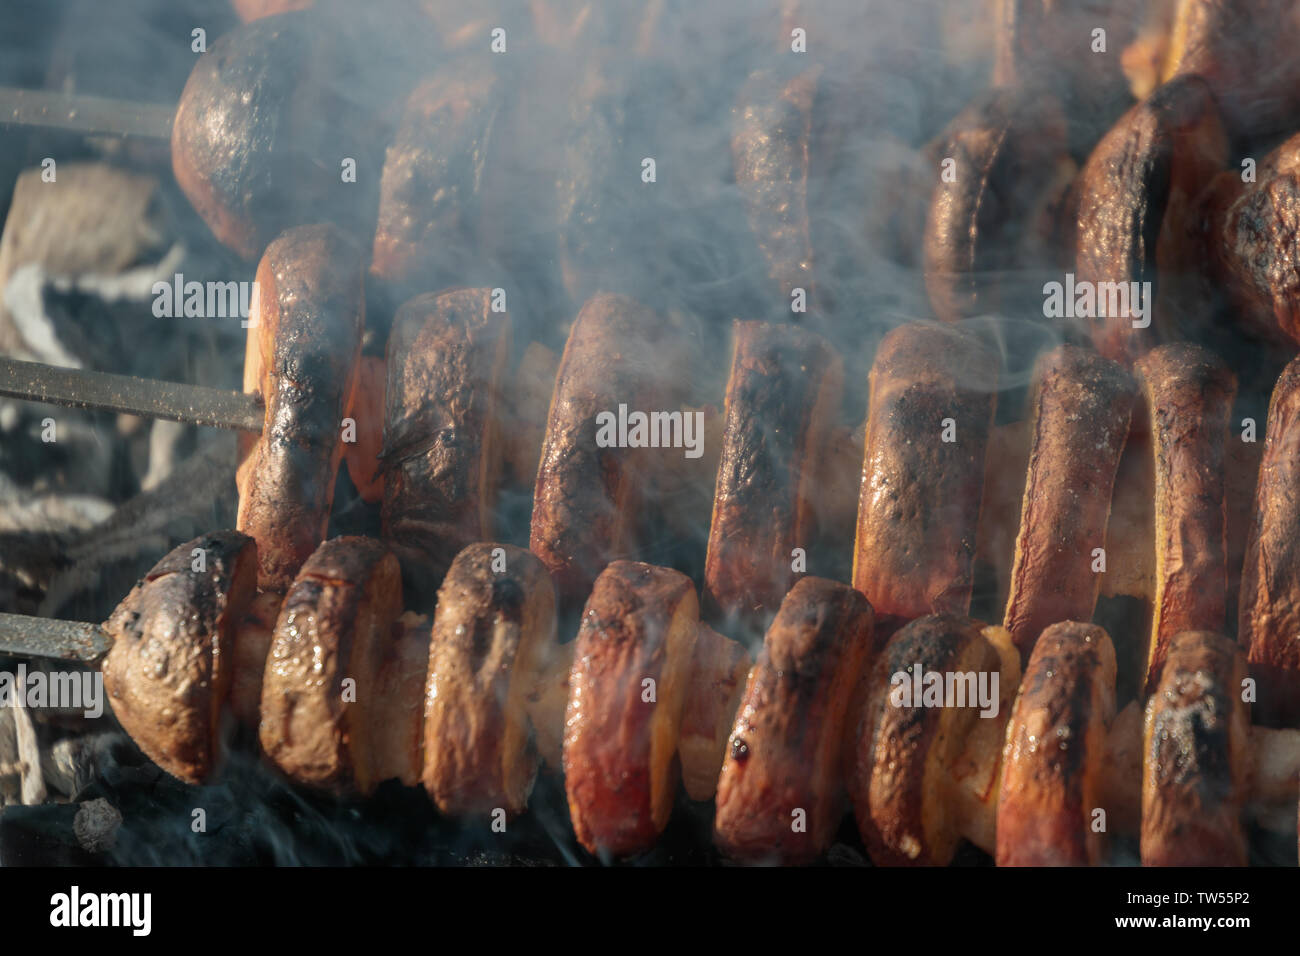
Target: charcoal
[(96, 825)]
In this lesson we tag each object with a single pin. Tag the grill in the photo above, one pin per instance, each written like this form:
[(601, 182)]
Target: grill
[(942, 336)]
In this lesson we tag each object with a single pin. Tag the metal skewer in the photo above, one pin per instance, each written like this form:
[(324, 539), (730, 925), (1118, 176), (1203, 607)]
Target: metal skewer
[(85, 114), (78, 388), (22, 635), (25, 636), (32, 381)]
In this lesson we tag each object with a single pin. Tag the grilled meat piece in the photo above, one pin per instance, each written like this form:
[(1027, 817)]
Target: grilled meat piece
[(1253, 242), (781, 792), (1197, 761), (919, 502), (587, 497), (304, 344), (981, 227), (1082, 407), (169, 670), (335, 632), (431, 189), (442, 457), (1056, 751), (782, 398), (240, 166), (493, 631), (771, 130), (1269, 611), (1245, 50), (595, 229), (1048, 46), (1138, 219), (1188, 393), (264, 121), (631, 672)]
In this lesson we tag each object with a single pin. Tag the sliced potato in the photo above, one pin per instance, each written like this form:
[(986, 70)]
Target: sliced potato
[(718, 676), (902, 782)]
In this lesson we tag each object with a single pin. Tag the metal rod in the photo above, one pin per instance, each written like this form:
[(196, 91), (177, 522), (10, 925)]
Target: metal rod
[(78, 388), (85, 114), (25, 636)]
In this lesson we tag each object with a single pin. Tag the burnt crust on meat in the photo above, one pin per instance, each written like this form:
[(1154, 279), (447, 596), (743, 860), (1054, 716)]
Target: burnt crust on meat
[(592, 215), (235, 129), (1055, 751), (1188, 394), (771, 131), (899, 781), (1196, 756), (586, 499), (335, 625), (441, 462), (303, 351), (1082, 405), (431, 188), (1268, 624), (782, 397), (1042, 45), (785, 753), (266, 115), (1244, 50), (492, 632), (920, 496), (170, 666), (1136, 211), (1253, 242), (1005, 147), (620, 741)]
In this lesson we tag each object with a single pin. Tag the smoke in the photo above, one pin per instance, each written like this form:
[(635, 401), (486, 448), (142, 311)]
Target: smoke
[(556, 201)]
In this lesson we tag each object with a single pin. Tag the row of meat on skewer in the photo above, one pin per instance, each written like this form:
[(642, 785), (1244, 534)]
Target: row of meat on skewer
[(473, 706), (327, 647), (1160, 198), (310, 642)]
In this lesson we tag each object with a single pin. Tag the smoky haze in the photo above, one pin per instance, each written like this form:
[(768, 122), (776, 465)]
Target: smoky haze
[(539, 181)]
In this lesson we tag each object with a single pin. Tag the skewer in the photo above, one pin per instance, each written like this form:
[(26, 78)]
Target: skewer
[(85, 114), (26, 636), (75, 388), (31, 381), (150, 398)]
